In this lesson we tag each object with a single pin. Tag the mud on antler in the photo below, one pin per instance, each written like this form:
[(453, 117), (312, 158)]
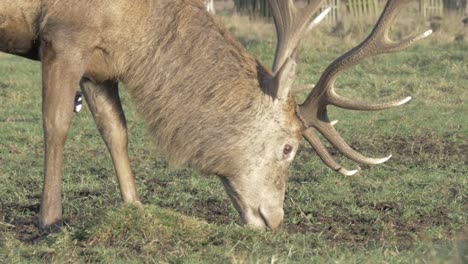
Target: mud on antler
[(291, 25)]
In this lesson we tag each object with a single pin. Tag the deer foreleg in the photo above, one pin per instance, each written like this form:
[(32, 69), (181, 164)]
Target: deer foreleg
[(61, 72), (104, 102)]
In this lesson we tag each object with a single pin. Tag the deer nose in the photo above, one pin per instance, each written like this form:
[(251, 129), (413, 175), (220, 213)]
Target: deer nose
[(272, 217), (263, 218)]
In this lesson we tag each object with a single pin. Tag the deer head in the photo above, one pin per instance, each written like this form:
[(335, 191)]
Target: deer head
[(258, 193)]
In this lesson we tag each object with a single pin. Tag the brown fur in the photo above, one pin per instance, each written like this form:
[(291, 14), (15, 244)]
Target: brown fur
[(197, 87)]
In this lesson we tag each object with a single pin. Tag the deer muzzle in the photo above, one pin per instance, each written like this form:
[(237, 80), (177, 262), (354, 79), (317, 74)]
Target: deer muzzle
[(263, 218)]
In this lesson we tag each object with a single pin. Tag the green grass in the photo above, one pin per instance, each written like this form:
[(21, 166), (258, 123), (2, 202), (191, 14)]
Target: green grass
[(411, 209)]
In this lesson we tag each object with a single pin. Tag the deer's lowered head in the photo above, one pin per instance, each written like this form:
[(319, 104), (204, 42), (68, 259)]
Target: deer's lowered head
[(258, 185), (257, 172)]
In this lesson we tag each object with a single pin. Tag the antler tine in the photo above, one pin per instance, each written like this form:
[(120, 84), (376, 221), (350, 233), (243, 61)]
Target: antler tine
[(329, 132), (314, 140), (376, 43), (354, 104), (291, 25), (313, 112)]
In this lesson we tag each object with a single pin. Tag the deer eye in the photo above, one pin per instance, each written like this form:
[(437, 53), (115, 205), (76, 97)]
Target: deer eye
[(287, 150)]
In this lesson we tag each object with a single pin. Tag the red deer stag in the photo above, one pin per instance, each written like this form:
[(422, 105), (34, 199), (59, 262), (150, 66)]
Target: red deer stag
[(209, 103)]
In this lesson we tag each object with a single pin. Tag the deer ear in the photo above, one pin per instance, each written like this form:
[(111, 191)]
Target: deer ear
[(280, 85)]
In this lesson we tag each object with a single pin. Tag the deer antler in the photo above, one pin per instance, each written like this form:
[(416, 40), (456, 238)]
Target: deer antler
[(291, 25), (313, 111)]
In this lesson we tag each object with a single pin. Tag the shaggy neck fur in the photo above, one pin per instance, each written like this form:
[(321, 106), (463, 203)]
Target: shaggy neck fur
[(197, 87)]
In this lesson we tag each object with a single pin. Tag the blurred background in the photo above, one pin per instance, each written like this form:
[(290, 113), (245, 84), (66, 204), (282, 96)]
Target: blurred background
[(450, 16)]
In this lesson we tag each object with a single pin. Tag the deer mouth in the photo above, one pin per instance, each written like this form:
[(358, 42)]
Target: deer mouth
[(263, 218), (259, 212), (272, 221)]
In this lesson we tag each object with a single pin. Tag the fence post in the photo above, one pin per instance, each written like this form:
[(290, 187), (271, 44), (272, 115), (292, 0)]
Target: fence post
[(363, 7), (431, 8)]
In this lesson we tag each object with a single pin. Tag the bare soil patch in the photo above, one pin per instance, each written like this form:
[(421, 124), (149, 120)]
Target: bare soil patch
[(346, 228), (437, 149)]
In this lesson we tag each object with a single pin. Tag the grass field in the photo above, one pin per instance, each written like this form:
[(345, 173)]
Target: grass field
[(412, 209)]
